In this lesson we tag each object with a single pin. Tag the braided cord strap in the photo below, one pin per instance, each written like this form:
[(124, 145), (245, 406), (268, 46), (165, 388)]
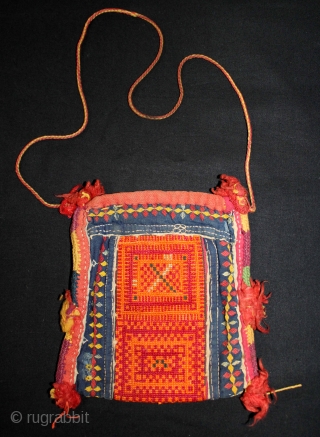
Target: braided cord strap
[(134, 109)]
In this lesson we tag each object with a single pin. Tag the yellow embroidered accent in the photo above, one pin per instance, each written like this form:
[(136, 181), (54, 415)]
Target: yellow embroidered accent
[(250, 335), (230, 357), (84, 194), (66, 320), (245, 222)]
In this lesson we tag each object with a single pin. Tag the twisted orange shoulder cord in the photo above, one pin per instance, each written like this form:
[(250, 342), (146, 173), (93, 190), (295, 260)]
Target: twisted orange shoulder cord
[(134, 109)]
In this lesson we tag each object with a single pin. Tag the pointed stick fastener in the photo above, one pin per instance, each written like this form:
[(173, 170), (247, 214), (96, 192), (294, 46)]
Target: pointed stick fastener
[(284, 389)]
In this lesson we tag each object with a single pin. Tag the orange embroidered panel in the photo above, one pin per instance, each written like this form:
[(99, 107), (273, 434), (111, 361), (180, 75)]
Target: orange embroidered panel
[(160, 323)]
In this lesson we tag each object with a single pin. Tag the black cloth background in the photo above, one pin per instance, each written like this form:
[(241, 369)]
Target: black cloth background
[(271, 49)]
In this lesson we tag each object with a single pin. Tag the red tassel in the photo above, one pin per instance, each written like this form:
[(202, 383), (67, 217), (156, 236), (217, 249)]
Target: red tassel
[(65, 395), (231, 187), (79, 196), (256, 396), (252, 301)]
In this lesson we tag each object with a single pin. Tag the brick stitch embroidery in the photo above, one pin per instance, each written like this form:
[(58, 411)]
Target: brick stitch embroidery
[(162, 306)]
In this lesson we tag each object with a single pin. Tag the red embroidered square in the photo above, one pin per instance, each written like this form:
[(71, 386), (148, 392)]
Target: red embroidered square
[(160, 323)]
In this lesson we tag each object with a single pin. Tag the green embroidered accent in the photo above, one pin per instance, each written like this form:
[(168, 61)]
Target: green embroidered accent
[(246, 275)]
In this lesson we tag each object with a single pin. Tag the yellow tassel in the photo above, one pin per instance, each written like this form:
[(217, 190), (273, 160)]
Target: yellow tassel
[(66, 321)]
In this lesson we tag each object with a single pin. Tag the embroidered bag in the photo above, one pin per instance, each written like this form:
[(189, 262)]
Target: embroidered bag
[(162, 307)]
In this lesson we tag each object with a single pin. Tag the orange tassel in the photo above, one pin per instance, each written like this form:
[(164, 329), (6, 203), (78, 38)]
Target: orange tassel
[(256, 396)]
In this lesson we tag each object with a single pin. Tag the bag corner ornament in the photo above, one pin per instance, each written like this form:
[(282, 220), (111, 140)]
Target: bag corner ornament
[(162, 306)]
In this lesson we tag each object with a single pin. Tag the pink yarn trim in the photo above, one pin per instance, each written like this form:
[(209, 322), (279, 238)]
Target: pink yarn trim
[(160, 197)]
